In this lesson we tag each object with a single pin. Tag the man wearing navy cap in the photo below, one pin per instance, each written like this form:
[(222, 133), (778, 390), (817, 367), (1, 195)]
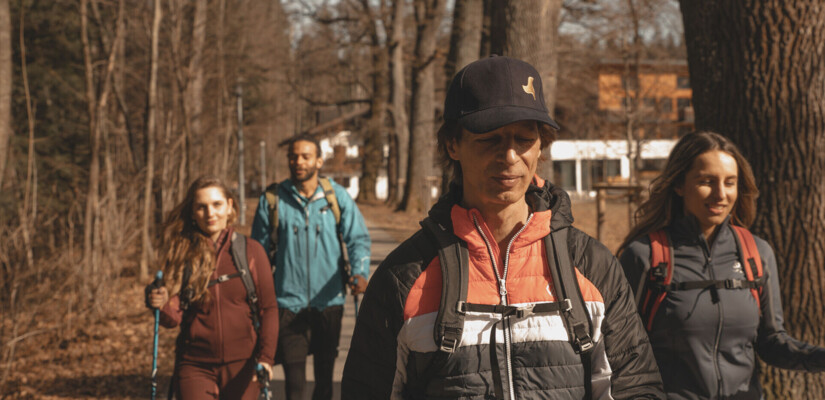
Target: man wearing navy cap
[(498, 296)]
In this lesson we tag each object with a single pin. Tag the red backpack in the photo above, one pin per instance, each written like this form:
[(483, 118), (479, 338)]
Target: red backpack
[(661, 273)]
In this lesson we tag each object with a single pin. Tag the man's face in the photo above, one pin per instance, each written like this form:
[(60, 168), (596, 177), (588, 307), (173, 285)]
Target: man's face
[(304, 162), (497, 166)]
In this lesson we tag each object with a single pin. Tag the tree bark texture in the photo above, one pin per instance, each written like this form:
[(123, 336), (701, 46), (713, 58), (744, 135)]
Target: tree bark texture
[(373, 156), (195, 88), (428, 15), (528, 30), (94, 139), (465, 45), (399, 103), (758, 74), (5, 85), (151, 130)]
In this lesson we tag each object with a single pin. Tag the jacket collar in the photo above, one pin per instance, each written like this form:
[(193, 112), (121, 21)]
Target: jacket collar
[(550, 205), (293, 190), (687, 227)]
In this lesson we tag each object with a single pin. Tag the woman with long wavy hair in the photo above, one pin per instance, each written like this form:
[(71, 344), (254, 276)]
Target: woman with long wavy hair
[(708, 289), (223, 333)]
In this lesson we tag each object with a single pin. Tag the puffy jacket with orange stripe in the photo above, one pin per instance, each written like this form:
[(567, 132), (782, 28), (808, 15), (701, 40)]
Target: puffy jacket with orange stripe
[(393, 354), (705, 341)]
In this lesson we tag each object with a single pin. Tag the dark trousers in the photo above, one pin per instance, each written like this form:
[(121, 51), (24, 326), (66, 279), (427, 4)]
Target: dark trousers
[(313, 332)]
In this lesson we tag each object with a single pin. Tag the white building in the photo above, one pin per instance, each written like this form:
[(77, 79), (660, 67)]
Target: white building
[(579, 164)]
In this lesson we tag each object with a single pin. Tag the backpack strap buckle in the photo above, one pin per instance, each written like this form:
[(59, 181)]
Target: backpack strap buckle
[(582, 342), (448, 345), (733, 284), (525, 311)]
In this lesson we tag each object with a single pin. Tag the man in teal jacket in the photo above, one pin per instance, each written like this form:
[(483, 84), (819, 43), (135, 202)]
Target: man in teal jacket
[(308, 260)]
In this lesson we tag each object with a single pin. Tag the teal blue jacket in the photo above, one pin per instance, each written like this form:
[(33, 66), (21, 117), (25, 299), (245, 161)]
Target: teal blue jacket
[(308, 263)]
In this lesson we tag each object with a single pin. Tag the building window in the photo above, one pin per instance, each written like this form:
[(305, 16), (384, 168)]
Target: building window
[(682, 103), (666, 105), (630, 82), (564, 174), (649, 102), (683, 82)]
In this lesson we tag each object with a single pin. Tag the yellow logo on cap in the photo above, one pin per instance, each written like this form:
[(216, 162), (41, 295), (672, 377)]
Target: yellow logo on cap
[(528, 88)]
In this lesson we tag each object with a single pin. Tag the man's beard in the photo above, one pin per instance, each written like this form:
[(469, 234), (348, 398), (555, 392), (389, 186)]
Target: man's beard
[(310, 173)]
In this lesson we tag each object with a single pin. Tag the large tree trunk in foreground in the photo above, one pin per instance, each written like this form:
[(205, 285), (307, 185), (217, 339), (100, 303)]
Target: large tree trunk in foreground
[(758, 77), (422, 123), (528, 30)]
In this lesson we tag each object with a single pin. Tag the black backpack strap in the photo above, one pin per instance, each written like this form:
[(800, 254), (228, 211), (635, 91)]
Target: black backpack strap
[(566, 287), (238, 250), (455, 260), (271, 195)]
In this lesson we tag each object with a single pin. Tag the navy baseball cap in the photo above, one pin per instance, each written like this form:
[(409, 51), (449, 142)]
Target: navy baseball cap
[(495, 91)]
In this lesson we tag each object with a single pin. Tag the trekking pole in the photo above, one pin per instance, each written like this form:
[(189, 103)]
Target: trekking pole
[(157, 283), (263, 377)]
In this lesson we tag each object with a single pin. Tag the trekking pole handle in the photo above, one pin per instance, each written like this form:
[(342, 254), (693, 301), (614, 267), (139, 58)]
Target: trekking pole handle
[(263, 377), (157, 282)]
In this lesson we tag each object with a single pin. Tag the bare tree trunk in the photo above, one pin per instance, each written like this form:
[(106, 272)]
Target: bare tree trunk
[(373, 156), (528, 30), (399, 104), (465, 45), (758, 77), (195, 86), (428, 15), (151, 128), (94, 140), (26, 222), (5, 85)]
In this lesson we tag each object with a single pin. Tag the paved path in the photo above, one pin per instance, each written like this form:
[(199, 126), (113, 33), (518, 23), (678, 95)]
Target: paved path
[(382, 245)]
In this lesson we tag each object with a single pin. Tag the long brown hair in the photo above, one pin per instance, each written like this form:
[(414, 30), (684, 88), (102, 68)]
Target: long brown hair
[(664, 204), (184, 243)]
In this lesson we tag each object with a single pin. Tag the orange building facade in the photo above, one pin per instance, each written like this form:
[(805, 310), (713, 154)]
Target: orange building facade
[(656, 95)]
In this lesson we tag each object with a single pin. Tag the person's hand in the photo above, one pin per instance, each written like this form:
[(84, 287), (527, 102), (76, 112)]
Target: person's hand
[(157, 298), (358, 284), (267, 369)]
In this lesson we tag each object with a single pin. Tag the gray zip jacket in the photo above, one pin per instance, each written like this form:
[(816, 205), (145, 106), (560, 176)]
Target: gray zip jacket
[(705, 341)]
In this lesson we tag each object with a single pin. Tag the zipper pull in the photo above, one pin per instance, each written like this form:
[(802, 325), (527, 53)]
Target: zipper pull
[(502, 287)]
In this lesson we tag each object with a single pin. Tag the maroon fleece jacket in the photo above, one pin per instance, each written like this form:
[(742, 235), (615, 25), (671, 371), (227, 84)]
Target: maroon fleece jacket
[(222, 330)]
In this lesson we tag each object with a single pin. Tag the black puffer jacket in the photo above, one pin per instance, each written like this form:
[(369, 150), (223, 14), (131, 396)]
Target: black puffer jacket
[(705, 345), (393, 354)]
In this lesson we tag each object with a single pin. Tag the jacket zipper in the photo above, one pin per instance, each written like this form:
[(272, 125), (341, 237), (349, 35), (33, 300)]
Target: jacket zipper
[(709, 264), (502, 290), (306, 229)]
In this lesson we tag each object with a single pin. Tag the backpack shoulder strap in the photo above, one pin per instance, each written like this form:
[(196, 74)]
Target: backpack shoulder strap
[(329, 193), (272, 201), (659, 276), (238, 250), (332, 200), (455, 265), (566, 285), (750, 259)]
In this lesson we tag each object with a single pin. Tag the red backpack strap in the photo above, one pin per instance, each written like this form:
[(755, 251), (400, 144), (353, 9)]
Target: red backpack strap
[(751, 261), (659, 276)]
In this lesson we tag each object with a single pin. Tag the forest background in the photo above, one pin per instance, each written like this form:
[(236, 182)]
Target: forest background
[(109, 108)]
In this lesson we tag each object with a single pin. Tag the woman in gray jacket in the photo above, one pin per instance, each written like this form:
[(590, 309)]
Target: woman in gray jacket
[(707, 289)]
